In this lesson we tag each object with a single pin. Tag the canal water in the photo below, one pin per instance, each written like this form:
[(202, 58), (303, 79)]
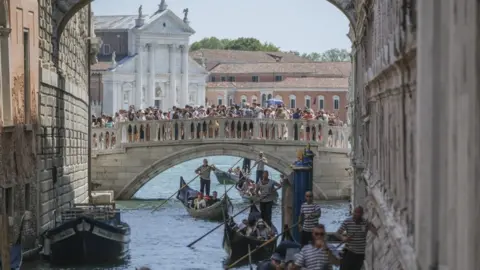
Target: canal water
[(159, 239)]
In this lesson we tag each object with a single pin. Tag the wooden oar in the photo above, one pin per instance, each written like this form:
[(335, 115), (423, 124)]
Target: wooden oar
[(249, 258), (186, 185), (261, 246), (221, 224)]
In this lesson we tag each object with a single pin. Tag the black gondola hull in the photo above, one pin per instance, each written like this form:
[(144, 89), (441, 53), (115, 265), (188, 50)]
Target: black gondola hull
[(84, 241)]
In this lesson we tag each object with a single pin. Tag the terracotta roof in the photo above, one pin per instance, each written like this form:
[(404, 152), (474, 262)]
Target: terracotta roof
[(214, 57), (309, 82), (333, 69)]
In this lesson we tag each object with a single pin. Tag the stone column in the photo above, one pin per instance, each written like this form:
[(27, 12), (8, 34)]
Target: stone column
[(138, 95), (109, 98), (201, 93), (183, 98), (7, 113), (173, 78), (118, 90), (150, 98)]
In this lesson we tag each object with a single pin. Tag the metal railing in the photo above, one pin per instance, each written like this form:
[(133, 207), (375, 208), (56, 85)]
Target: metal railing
[(131, 132), (103, 212)]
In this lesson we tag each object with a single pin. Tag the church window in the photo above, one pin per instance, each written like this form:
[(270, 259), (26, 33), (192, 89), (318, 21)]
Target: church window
[(254, 78), (278, 78), (212, 79), (231, 78), (223, 78)]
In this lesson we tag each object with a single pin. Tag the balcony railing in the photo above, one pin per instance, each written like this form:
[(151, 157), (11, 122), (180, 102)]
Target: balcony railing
[(236, 129)]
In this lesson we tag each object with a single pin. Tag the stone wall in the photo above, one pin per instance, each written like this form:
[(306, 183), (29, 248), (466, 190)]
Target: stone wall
[(384, 128), (63, 143)]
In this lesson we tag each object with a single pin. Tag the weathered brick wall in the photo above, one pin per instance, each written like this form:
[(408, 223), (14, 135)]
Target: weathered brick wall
[(64, 113)]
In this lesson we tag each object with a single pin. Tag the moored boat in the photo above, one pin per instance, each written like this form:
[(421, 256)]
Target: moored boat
[(237, 244), (216, 211), (226, 178), (87, 233), (254, 198)]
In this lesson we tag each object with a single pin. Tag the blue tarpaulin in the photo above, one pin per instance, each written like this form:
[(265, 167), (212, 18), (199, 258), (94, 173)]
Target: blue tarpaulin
[(274, 102)]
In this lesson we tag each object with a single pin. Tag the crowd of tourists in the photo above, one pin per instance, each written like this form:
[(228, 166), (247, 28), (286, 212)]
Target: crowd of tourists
[(237, 128)]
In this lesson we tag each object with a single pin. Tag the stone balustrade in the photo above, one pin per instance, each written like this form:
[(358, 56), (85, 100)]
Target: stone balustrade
[(317, 132)]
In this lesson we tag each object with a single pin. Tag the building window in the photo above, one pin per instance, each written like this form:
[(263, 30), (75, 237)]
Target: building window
[(9, 201), (27, 196), (254, 78), (293, 101), (223, 79), (219, 100), (230, 101), (264, 99), (336, 102), (243, 99), (106, 49), (212, 79), (270, 96), (158, 103), (308, 102), (321, 102), (231, 78), (278, 78), (254, 99), (278, 97), (26, 75)]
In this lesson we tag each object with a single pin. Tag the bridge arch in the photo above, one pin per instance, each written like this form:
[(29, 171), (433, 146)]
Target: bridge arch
[(208, 150)]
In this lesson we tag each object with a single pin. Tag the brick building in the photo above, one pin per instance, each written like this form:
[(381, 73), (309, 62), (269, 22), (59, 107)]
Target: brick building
[(238, 77), (19, 113), (44, 111)]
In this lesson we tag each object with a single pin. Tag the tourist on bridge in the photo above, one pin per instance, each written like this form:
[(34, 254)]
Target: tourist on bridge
[(266, 190), (260, 163), (356, 229), (316, 255), (204, 172), (310, 212)]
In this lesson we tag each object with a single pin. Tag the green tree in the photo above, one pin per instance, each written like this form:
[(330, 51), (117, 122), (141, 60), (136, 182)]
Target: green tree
[(240, 44), (336, 55)]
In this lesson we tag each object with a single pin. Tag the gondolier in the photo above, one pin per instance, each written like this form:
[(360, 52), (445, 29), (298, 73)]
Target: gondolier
[(246, 165), (260, 163), (266, 190), (204, 172), (310, 212), (356, 229)]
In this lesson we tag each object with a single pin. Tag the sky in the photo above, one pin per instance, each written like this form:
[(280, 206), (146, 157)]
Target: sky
[(308, 26)]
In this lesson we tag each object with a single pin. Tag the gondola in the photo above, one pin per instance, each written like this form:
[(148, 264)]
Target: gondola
[(226, 178), (87, 233), (217, 211), (236, 244), (16, 253), (255, 198)]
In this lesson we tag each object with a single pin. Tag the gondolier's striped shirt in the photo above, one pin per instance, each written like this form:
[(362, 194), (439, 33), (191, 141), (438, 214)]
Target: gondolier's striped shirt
[(308, 209), (312, 258), (357, 233)]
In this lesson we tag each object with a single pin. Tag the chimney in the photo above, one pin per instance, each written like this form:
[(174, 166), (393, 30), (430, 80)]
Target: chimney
[(139, 22)]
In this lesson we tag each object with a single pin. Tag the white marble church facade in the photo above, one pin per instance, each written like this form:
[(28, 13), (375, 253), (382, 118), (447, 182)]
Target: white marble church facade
[(158, 71)]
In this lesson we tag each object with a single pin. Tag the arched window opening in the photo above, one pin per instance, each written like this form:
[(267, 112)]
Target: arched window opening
[(321, 102), (308, 102), (336, 102), (264, 99), (293, 101)]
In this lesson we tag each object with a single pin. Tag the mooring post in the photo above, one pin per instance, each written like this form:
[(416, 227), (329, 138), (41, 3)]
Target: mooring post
[(4, 231), (300, 182)]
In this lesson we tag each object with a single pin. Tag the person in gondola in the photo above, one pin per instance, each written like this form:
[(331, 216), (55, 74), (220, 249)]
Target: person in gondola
[(356, 228), (260, 163), (214, 199), (316, 255), (266, 189), (310, 212), (199, 202), (261, 231), (204, 172), (246, 165)]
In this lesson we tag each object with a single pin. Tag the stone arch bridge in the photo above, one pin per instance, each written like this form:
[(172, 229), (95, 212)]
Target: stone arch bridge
[(129, 162)]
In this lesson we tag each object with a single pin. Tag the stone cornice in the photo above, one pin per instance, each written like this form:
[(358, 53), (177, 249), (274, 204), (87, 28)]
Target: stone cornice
[(5, 32)]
